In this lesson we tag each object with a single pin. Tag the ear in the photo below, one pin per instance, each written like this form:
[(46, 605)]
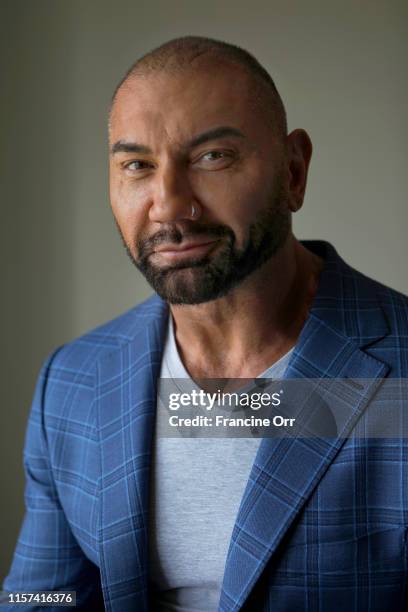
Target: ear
[(299, 152)]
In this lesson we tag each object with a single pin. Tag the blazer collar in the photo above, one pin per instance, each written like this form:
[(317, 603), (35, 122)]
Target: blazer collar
[(346, 300), (126, 408)]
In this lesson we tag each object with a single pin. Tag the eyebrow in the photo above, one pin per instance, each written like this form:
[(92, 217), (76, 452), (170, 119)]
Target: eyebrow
[(122, 146), (215, 134)]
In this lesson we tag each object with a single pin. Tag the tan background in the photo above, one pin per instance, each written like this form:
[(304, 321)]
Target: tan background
[(340, 67)]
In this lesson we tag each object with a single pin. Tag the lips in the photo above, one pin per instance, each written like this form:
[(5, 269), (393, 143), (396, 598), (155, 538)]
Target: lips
[(184, 246), (185, 250)]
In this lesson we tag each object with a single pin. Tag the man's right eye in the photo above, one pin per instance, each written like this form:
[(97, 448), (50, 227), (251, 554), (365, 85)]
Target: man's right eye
[(136, 165)]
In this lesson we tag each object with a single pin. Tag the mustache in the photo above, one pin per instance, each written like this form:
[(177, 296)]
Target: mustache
[(176, 235)]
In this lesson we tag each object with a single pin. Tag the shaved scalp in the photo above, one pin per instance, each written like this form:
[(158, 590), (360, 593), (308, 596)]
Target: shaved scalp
[(179, 54)]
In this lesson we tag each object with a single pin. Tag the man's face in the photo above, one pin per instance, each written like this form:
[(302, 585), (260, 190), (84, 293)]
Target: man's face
[(196, 140)]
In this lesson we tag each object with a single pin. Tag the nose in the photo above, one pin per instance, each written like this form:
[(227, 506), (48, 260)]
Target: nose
[(172, 198)]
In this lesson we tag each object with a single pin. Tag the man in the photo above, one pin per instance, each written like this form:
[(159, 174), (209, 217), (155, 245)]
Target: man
[(204, 178)]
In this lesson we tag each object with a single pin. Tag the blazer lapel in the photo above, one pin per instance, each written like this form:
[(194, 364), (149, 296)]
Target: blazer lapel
[(126, 407), (286, 470)]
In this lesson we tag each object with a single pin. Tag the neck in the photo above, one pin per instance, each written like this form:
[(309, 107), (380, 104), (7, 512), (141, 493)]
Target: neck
[(243, 333)]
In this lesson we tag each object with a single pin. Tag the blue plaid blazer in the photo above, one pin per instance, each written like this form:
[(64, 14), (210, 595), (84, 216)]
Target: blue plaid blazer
[(322, 525)]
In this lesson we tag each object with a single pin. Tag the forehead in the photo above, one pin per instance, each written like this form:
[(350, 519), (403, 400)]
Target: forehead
[(173, 107)]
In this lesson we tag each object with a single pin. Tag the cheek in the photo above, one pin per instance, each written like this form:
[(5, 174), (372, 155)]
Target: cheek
[(234, 199), (128, 209)]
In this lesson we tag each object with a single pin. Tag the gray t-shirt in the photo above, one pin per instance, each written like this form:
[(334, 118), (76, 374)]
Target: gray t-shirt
[(196, 488)]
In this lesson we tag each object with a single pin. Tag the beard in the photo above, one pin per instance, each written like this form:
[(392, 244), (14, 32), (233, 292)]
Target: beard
[(199, 280)]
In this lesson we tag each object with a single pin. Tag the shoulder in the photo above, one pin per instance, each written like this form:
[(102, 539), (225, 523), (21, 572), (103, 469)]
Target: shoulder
[(356, 299), (79, 356), (369, 293)]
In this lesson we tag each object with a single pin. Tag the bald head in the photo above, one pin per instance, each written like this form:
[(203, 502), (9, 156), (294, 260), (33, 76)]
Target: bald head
[(190, 53)]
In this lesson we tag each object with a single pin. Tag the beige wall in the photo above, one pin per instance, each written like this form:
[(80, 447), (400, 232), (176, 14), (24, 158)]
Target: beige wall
[(340, 67)]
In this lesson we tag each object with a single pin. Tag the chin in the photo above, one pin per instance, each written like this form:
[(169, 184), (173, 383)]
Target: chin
[(187, 286)]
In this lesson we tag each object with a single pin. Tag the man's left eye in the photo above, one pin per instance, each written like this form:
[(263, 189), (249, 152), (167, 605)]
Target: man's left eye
[(213, 155)]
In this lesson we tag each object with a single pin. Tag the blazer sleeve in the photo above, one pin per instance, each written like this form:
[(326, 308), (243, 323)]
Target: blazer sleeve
[(47, 557)]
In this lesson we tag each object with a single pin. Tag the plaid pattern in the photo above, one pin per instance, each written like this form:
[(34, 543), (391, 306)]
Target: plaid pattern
[(323, 523)]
